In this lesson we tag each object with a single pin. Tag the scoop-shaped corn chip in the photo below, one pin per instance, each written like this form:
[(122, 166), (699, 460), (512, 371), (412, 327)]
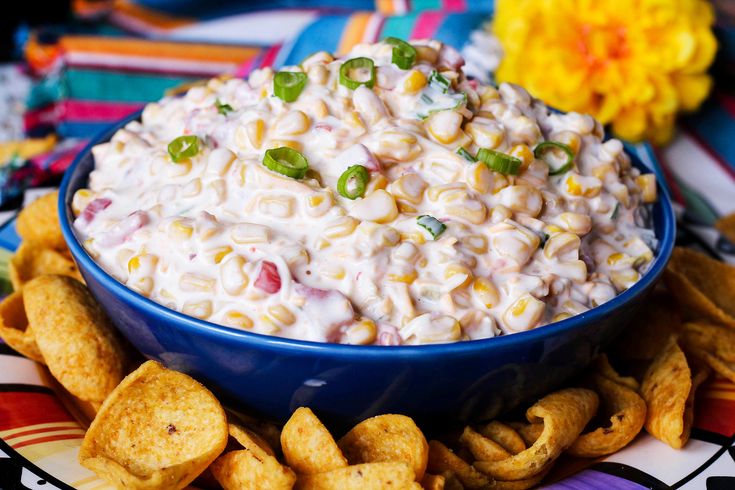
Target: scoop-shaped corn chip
[(366, 476), (249, 439), (159, 429), (668, 389), (702, 284), (265, 429), (504, 435), (713, 344), (32, 260), (519, 484), (726, 226), (481, 447), (604, 368), (564, 414), (432, 482), (80, 346), (389, 437), (15, 329), (254, 467), (528, 432), (442, 460), (308, 446), (627, 412), (39, 222)]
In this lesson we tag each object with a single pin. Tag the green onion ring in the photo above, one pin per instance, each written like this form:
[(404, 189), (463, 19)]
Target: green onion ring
[(543, 148), (403, 55), (286, 161), (499, 162), (354, 64), (432, 225), (183, 148), (287, 85), (356, 175), (466, 155)]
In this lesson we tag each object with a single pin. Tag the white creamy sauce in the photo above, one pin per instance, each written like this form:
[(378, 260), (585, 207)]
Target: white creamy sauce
[(221, 237)]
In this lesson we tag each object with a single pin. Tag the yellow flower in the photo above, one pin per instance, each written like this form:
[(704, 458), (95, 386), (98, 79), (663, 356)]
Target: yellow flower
[(630, 63)]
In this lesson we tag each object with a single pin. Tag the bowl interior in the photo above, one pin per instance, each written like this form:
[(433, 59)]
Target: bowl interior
[(76, 177)]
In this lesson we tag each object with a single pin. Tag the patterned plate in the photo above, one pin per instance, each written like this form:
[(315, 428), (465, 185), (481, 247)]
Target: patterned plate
[(41, 431)]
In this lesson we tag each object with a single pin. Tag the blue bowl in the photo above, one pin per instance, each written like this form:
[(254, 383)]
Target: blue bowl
[(273, 376)]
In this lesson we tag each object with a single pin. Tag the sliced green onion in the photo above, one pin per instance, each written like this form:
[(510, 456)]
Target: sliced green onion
[(547, 147), (439, 81), (183, 148), (544, 238), (499, 162), (614, 214), (404, 55), (356, 64), (287, 85), (432, 225), (426, 99), (286, 161), (353, 181), (466, 155), (223, 108)]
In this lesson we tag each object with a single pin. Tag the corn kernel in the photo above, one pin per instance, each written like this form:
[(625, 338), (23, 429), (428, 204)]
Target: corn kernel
[(282, 315), (415, 237), (238, 320), (196, 283), (364, 332), (579, 224), (232, 275), (406, 275), (380, 207), (409, 187), (414, 82), (219, 253), (341, 227), (523, 153), (486, 292), (198, 309), (332, 271), (180, 230), (255, 131), (475, 243), (562, 245), (377, 181), (488, 135), (267, 326), (444, 126), (647, 184), (524, 313)]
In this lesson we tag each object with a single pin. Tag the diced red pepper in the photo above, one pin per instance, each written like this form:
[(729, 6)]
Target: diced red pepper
[(94, 207), (268, 279)]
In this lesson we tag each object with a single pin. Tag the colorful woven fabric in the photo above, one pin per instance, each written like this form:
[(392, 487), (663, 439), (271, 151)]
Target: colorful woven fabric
[(145, 47)]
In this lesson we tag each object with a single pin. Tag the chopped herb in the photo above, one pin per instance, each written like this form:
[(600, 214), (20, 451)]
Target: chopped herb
[(223, 108), (466, 155)]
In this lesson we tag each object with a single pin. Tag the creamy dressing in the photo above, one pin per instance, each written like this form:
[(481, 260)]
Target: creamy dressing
[(221, 237)]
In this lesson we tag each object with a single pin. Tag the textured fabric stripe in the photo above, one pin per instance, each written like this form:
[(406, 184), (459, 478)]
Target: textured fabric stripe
[(695, 169), (455, 29), (322, 34), (400, 26), (156, 49), (97, 110), (110, 86), (270, 56), (423, 5), (22, 409), (74, 129), (456, 5), (715, 127), (145, 16), (354, 31), (427, 24)]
